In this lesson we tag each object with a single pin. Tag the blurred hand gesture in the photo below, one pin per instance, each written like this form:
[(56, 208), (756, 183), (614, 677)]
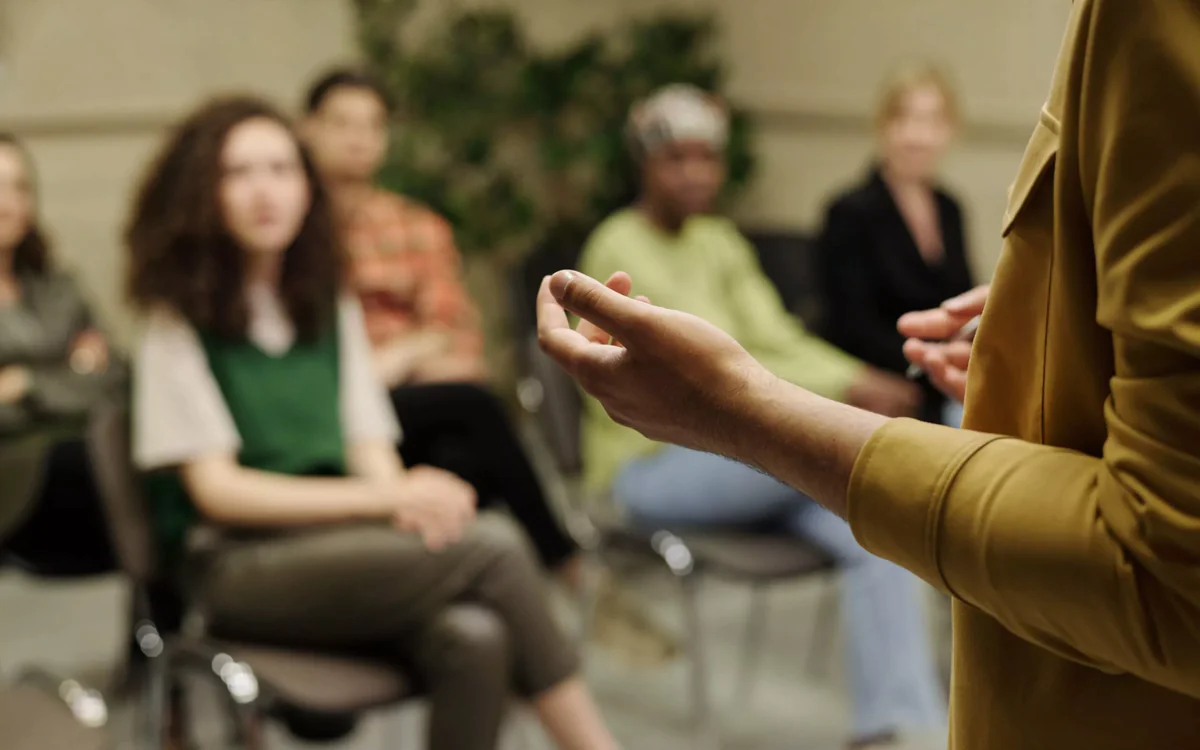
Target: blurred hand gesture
[(435, 504), (89, 353), (934, 343)]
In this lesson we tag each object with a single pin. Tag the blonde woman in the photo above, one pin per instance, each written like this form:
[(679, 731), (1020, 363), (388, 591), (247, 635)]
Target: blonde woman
[(895, 242)]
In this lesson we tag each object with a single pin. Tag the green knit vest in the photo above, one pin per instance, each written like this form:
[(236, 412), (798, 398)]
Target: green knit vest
[(287, 412)]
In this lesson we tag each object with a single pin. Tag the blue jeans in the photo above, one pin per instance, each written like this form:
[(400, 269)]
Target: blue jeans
[(893, 677)]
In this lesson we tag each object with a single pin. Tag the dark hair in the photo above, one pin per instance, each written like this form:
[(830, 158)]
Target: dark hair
[(181, 255), (32, 253), (344, 78)]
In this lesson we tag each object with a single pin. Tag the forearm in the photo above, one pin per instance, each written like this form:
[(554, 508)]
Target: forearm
[(808, 441), (238, 496), (376, 461), (396, 360), (59, 391)]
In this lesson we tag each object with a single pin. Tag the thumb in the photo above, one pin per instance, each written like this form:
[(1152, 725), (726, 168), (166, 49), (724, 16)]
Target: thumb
[(618, 315)]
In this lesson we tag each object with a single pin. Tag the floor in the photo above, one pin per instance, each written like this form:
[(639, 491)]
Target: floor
[(793, 701)]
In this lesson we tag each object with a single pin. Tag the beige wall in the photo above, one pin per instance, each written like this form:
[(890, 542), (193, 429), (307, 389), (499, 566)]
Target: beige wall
[(94, 88), (94, 85)]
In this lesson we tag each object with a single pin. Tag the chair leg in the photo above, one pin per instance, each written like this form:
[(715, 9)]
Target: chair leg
[(151, 715), (704, 725), (823, 628), (752, 640)]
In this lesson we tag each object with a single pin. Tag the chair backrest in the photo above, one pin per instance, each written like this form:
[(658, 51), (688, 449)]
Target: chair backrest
[(559, 407), (789, 259), (560, 412), (125, 504)]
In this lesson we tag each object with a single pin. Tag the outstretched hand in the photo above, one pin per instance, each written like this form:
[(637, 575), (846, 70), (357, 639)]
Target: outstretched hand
[(669, 375)]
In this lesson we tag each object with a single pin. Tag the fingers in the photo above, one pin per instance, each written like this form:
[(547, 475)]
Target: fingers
[(968, 304), (931, 324), (622, 317), (620, 283), (946, 367), (946, 320), (953, 353), (550, 314)]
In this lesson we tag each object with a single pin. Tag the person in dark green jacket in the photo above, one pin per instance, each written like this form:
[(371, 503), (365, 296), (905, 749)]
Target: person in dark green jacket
[(257, 412)]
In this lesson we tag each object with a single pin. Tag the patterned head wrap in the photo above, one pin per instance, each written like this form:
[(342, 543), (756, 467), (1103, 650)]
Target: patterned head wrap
[(673, 113)]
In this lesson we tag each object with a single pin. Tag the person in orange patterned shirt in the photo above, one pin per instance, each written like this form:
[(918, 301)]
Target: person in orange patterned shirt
[(423, 325), (407, 271)]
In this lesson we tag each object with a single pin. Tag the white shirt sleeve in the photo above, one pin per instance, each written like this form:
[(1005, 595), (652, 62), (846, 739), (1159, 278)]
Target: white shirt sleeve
[(367, 412), (179, 413)]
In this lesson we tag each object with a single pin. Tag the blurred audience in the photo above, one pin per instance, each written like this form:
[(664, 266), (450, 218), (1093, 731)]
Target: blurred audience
[(428, 344), (681, 256), (895, 242), (258, 409), (55, 364)]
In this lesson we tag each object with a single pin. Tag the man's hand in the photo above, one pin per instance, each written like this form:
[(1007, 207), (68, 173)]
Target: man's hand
[(933, 346), (14, 383), (89, 353), (435, 504), (671, 376), (884, 393)]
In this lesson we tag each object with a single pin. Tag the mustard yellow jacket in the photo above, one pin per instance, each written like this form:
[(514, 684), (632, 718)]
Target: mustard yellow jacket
[(1067, 525)]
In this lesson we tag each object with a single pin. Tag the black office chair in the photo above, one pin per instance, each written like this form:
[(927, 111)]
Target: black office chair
[(318, 696), (760, 560)]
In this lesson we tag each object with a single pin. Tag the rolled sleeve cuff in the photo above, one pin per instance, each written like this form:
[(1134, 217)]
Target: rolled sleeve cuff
[(899, 486)]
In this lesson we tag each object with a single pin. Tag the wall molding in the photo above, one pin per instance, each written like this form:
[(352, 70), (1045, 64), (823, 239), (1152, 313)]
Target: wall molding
[(88, 126), (785, 118), (814, 121)]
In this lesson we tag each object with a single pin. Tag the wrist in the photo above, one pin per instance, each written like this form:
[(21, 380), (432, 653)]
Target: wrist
[(754, 413), (380, 500)]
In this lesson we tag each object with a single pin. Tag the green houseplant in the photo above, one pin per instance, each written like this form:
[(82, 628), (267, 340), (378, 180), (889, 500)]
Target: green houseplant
[(518, 147)]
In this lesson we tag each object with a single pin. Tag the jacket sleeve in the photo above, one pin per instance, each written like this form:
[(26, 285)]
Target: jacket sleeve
[(58, 391), (1094, 558), (851, 314)]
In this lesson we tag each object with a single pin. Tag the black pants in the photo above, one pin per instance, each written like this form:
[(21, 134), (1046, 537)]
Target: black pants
[(463, 428), (66, 533)]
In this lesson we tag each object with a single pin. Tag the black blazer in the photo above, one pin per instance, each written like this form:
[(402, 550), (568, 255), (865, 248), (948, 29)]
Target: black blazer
[(872, 272)]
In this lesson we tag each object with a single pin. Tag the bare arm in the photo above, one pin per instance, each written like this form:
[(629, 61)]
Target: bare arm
[(375, 461), (230, 494)]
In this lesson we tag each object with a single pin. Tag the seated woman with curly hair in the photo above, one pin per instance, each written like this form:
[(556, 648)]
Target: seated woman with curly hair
[(256, 404)]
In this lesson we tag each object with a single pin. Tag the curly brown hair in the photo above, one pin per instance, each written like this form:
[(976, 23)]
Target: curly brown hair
[(182, 257), (32, 253)]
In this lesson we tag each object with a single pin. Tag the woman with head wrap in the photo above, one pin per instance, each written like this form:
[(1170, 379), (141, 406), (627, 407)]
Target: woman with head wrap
[(681, 256)]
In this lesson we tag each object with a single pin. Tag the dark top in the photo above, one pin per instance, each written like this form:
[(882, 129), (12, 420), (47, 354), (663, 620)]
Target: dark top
[(872, 272), (37, 333)]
